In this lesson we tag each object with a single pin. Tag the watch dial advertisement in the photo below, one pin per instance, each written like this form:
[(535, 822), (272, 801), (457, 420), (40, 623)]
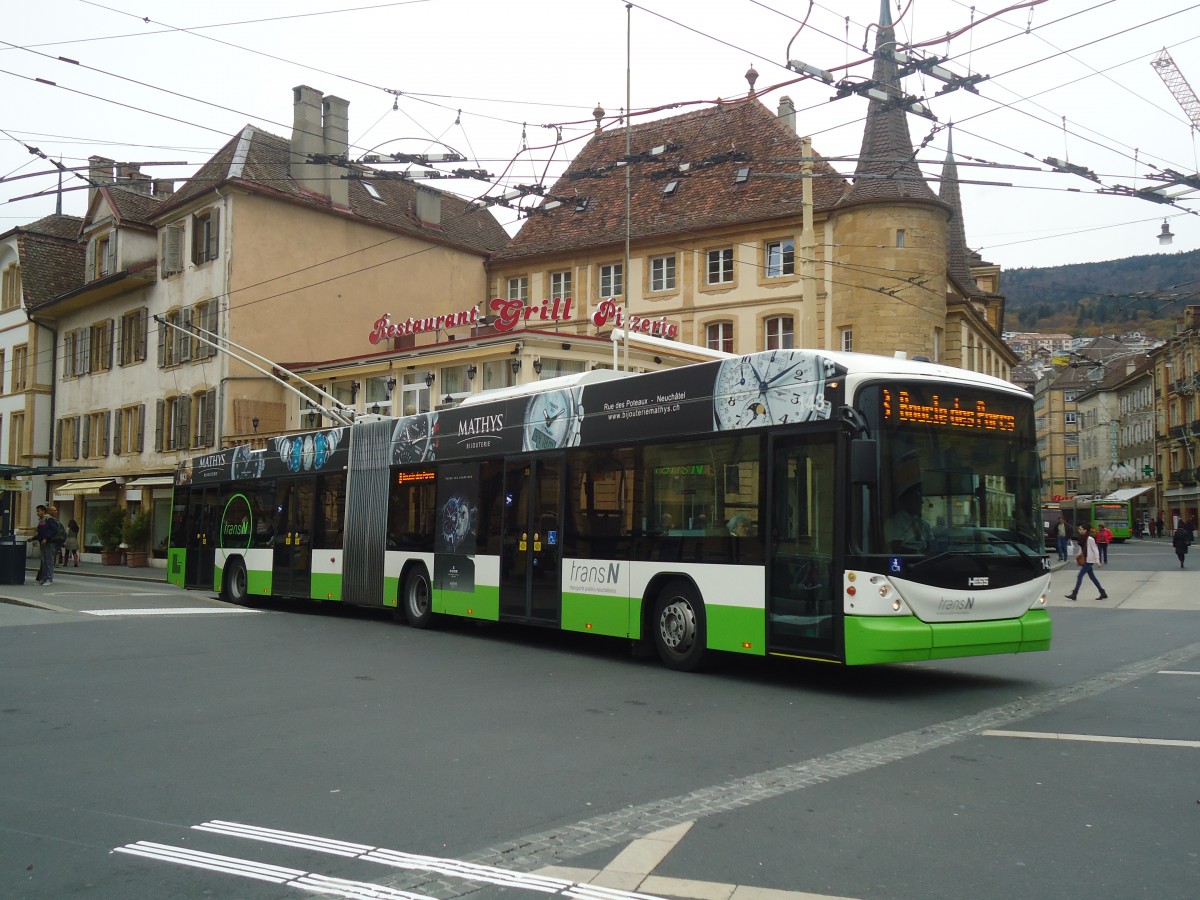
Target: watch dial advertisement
[(457, 524), (284, 455), (776, 387)]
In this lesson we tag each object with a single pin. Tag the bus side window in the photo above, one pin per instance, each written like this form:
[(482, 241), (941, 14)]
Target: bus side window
[(600, 504)]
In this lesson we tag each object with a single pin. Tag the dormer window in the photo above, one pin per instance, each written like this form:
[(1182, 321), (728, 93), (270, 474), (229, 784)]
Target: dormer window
[(206, 234), (371, 190), (102, 255)]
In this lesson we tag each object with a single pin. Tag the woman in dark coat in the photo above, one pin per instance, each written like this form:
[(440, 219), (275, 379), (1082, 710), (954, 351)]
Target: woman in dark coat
[(1181, 540)]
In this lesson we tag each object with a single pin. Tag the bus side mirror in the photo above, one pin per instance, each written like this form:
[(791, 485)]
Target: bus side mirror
[(864, 462)]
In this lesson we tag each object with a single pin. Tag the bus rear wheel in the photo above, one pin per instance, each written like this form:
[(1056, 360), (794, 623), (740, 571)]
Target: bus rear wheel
[(233, 585), (679, 627), (417, 598)]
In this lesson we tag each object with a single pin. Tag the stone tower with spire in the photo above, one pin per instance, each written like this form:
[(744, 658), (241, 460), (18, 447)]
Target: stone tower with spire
[(890, 235)]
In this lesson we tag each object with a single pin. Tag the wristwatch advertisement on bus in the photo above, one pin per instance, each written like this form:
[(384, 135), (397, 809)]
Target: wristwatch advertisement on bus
[(771, 389), (552, 420)]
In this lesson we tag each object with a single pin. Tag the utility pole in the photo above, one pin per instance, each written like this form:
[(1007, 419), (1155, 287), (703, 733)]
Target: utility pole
[(808, 255)]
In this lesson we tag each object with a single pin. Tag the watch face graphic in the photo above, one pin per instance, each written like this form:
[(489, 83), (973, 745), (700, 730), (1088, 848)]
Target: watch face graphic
[(552, 420), (411, 439), (456, 522), (308, 452), (771, 388)]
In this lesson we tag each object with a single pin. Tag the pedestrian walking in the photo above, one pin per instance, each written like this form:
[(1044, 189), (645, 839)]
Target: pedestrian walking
[(44, 538), (1181, 540), (1159, 524), (1061, 533), (1089, 556), (1103, 539)]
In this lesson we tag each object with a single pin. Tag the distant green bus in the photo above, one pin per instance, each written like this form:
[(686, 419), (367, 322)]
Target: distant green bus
[(1116, 514)]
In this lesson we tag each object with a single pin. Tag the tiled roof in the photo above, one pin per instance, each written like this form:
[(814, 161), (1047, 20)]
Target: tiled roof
[(132, 207), (887, 168), (51, 258), (706, 196), (259, 161)]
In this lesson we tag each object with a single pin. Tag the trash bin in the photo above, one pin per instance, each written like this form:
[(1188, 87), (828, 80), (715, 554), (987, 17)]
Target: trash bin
[(12, 563)]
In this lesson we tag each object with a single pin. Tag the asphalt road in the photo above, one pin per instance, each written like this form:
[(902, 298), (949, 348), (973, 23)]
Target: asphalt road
[(178, 747)]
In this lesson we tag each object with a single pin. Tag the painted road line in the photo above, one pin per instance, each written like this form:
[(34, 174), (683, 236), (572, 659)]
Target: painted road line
[(1091, 738), (1176, 672), (179, 611), (414, 862), (312, 882), (634, 866)]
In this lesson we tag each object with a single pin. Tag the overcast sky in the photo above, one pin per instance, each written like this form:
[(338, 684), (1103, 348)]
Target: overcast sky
[(511, 85)]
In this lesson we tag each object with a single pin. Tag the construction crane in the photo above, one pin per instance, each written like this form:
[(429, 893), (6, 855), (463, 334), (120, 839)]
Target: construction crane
[(1178, 86)]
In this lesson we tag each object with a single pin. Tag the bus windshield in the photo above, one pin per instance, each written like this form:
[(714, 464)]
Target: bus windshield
[(958, 473)]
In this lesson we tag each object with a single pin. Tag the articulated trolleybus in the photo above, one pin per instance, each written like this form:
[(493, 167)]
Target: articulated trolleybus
[(827, 506)]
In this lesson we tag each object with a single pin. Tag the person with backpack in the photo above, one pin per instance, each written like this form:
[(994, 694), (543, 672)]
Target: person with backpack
[(47, 531)]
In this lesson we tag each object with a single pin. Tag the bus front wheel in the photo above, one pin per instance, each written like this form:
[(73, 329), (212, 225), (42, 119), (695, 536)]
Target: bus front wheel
[(679, 630), (233, 586), (417, 598)]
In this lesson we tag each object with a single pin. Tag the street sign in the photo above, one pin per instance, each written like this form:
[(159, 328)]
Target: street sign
[(16, 484)]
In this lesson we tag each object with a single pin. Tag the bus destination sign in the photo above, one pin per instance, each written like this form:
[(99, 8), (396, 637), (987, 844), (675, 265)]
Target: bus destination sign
[(951, 412)]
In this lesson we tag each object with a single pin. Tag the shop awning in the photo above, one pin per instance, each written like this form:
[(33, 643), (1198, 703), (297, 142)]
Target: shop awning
[(1128, 493), (81, 488), (152, 481)]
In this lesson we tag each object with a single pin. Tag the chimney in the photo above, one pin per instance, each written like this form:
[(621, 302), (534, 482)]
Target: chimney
[(100, 171), (335, 130), (164, 187), (787, 113), (307, 140)]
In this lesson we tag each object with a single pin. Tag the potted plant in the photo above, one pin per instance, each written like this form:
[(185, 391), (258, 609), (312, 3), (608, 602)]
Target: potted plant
[(136, 532), (110, 523)]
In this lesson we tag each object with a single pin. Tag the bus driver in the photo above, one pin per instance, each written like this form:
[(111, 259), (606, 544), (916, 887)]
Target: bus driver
[(906, 530)]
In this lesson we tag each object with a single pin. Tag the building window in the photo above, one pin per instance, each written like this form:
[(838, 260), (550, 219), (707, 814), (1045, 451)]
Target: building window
[(612, 283), (132, 348), (1072, 463), (1071, 419), (203, 420), (10, 297), (560, 284), (2, 370), (847, 339), (781, 258), (129, 429), (102, 256), (662, 273), (498, 373), (172, 423), (95, 435), (518, 288), (175, 343), (720, 266), (778, 333), (67, 439), (204, 314), (206, 234), (20, 370), (414, 394), (719, 336), (171, 250), (100, 346), (900, 236)]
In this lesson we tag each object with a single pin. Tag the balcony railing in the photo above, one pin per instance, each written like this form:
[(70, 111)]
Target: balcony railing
[(1184, 476)]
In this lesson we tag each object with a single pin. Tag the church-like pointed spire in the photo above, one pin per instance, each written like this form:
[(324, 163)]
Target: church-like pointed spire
[(957, 266), (886, 167)]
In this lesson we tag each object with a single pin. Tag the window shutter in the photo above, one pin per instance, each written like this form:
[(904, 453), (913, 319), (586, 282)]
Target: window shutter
[(68, 357), (107, 433), (86, 437), (172, 250), (119, 422), (185, 337), (85, 350), (89, 265), (141, 427), (108, 356), (143, 318), (214, 234), (184, 421), (210, 417), (110, 254), (122, 334), (58, 444), (158, 426), (162, 348)]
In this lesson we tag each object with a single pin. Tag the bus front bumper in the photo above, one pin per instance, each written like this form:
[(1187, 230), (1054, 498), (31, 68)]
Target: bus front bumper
[(884, 639)]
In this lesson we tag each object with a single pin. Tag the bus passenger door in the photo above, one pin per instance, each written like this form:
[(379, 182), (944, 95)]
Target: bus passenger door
[(802, 582), (291, 573), (531, 541), (203, 516)]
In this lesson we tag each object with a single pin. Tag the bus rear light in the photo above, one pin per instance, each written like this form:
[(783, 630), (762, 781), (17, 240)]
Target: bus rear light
[(852, 590), (746, 645)]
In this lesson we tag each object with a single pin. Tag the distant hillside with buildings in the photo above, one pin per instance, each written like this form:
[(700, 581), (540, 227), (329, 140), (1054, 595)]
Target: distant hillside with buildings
[(1139, 293)]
